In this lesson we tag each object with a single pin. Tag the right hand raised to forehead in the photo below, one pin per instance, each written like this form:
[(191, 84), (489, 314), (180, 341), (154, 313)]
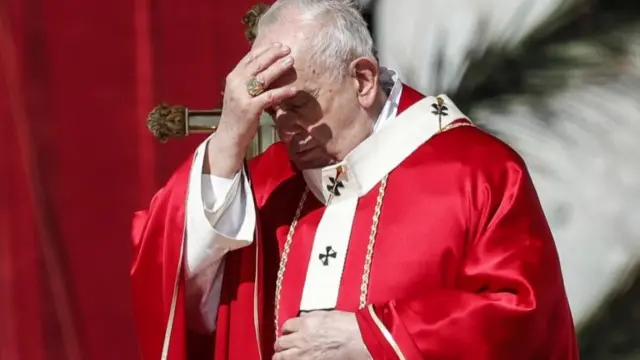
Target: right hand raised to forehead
[(241, 111)]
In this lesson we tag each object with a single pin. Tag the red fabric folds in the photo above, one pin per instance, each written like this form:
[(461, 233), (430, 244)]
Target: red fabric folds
[(77, 79), (506, 300), (470, 272)]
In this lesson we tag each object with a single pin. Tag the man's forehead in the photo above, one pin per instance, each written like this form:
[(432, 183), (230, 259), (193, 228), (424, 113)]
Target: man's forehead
[(300, 61), (289, 30), (292, 38), (295, 35)]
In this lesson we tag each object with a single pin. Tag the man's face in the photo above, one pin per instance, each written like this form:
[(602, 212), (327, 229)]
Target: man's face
[(313, 122)]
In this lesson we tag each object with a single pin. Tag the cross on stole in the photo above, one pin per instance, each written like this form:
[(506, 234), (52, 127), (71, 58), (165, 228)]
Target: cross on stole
[(440, 110), (329, 252), (334, 187), (336, 183)]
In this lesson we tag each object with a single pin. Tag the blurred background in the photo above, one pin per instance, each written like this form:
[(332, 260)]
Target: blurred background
[(559, 80)]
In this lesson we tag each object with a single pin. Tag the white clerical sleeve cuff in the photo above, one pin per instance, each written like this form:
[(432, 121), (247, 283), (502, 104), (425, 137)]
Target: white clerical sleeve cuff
[(221, 216), (235, 219), (215, 190)]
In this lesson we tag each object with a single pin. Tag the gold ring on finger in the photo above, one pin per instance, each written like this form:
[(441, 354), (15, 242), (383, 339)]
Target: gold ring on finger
[(255, 87)]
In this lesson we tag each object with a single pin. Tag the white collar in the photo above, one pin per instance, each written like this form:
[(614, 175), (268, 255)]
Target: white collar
[(318, 179), (389, 144), (361, 171), (391, 82)]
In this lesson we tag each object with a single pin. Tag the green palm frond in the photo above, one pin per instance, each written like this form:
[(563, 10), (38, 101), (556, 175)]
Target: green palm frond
[(559, 80), (587, 49), (584, 42)]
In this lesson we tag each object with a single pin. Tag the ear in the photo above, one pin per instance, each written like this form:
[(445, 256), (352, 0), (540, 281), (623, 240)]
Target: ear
[(365, 74)]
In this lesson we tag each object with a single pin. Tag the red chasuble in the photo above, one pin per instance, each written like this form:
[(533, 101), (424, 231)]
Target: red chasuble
[(461, 265)]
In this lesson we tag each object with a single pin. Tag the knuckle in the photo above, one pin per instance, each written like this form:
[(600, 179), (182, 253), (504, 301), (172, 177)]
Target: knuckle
[(267, 76), (286, 62), (259, 65), (270, 97)]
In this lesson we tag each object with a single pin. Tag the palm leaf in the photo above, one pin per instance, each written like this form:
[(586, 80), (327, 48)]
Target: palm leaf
[(563, 92), (573, 90), (587, 41)]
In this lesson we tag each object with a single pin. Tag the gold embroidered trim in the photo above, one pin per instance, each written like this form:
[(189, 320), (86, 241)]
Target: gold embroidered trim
[(284, 258), (387, 335), (364, 287), (174, 301), (256, 323), (452, 126), (368, 259)]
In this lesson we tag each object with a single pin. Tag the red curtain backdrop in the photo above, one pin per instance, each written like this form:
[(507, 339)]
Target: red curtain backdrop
[(77, 79)]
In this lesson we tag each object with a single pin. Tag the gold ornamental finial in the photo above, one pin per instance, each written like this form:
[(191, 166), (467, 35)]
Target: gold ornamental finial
[(251, 19), (166, 121), (176, 121)]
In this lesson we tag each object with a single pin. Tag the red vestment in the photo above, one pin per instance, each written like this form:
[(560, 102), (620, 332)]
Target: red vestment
[(464, 267)]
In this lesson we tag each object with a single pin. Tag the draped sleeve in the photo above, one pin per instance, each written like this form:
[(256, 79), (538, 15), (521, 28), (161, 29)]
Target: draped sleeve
[(508, 301)]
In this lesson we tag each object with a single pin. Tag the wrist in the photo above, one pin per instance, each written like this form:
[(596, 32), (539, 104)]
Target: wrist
[(224, 156), (234, 137)]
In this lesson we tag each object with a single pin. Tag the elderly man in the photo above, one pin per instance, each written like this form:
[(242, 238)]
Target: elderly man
[(383, 225)]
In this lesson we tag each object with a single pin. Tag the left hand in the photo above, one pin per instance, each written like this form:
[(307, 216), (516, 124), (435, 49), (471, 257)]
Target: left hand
[(323, 335)]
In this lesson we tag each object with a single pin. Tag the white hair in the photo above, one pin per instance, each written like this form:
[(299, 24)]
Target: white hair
[(341, 35)]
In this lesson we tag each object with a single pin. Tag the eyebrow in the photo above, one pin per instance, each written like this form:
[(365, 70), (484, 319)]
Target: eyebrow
[(303, 96), (311, 92), (305, 93)]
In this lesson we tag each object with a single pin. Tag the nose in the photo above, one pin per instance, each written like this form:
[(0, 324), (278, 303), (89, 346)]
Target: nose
[(283, 118), (286, 123), (275, 111), (278, 111)]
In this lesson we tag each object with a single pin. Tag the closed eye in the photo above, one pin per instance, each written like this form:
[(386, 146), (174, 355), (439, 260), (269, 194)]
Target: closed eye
[(300, 100), (271, 111)]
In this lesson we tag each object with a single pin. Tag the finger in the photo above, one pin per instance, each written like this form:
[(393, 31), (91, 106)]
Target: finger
[(274, 96), (288, 341), (275, 70), (289, 354), (265, 59), (291, 326), (307, 313), (254, 53), (304, 314)]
